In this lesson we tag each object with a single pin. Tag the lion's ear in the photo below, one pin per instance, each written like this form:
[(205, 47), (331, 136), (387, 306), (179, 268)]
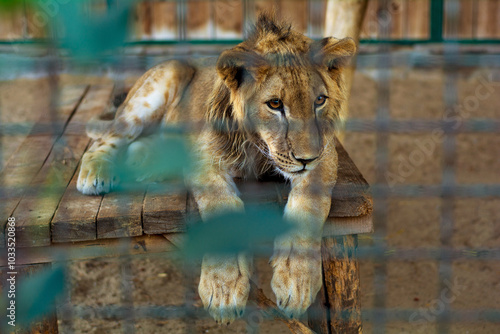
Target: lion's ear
[(333, 53), (236, 65)]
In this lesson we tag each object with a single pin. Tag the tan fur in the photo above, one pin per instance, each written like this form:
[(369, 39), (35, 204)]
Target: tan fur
[(225, 103)]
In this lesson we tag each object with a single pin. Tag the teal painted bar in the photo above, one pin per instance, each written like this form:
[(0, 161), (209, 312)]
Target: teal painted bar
[(437, 20), (234, 42)]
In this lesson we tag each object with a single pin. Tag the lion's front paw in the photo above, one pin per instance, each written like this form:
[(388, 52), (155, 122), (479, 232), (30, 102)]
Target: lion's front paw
[(224, 286), (96, 175), (297, 275)]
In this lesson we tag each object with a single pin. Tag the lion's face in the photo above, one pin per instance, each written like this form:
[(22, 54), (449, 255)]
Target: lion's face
[(292, 113), (287, 92)]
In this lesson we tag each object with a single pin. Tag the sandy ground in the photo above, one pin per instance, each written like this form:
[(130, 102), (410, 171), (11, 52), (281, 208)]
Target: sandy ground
[(410, 223)]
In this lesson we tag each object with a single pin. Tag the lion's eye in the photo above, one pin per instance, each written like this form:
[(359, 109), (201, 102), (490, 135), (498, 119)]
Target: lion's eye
[(275, 104), (320, 100)]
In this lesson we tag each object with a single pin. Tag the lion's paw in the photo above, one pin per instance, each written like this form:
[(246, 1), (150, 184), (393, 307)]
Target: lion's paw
[(224, 286), (96, 175), (297, 275)]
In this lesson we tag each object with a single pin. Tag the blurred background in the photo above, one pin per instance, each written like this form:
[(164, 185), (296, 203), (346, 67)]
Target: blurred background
[(423, 128)]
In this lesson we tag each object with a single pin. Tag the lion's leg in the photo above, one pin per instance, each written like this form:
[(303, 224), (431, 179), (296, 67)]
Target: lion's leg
[(296, 260), (161, 86), (225, 279)]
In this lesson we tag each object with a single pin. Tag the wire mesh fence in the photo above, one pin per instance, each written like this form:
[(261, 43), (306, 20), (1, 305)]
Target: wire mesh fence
[(457, 270)]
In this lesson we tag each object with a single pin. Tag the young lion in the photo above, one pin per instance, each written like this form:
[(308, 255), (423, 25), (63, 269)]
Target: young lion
[(271, 102)]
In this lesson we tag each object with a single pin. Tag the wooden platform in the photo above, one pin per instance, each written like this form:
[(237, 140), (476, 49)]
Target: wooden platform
[(40, 192)]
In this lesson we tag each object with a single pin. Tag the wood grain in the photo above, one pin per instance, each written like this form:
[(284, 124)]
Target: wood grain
[(22, 168), (84, 250), (75, 217), (165, 213), (488, 19), (36, 209), (337, 308), (120, 215), (418, 25)]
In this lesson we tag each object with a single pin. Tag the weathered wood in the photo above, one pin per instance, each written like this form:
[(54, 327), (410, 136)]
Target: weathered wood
[(143, 20), (465, 21), (120, 215), (488, 22), (61, 252), (269, 308), (198, 20), (12, 23), (46, 325), (228, 19), (369, 28), (164, 20), (351, 197), (340, 292), (34, 212), (36, 22), (296, 12), (75, 218), (164, 213), (176, 239), (29, 158), (397, 12), (418, 19)]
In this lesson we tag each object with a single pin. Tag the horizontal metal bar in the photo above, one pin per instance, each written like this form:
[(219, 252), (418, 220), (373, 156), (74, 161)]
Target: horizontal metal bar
[(475, 125), (116, 312), (45, 42)]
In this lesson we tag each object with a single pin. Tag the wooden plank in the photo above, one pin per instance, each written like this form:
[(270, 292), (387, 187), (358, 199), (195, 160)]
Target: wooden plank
[(199, 19), (265, 6), (164, 20), (85, 250), (228, 19), (369, 29), (418, 21), (296, 12), (120, 215), (142, 21), (465, 21), (488, 19), (12, 23), (339, 297), (351, 196), (75, 217), (35, 210), (46, 325), (165, 213), (36, 22), (397, 10), (22, 167), (177, 239)]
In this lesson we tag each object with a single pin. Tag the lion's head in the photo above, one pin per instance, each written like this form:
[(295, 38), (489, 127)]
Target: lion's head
[(282, 93)]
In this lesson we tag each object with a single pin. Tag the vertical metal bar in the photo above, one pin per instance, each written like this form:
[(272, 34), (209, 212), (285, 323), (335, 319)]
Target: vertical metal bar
[(381, 159), (437, 15), (448, 182), (127, 286), (181, 20)]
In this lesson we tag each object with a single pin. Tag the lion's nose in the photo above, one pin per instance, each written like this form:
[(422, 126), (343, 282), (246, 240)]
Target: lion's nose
[(305, 160)]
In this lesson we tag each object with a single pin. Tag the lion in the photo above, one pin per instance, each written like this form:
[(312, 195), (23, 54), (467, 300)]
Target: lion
[(273, 103)]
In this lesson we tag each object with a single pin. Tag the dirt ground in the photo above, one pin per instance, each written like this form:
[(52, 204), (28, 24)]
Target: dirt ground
[(410, 223)]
